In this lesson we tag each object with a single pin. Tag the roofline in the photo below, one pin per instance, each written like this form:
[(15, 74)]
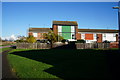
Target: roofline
[(64, 24), (64, 21), (39, 28), (98, 29)]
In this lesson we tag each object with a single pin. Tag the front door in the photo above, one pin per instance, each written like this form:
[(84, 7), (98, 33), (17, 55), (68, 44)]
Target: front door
[(99, 38)]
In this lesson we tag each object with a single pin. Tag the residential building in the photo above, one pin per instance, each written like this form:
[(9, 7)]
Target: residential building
[(69, 30)]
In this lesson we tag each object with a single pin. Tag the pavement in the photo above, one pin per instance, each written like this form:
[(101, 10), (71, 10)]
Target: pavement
[(5, 46), (7, 74)]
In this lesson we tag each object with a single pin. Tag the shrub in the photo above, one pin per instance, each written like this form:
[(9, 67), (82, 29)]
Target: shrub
[(31, 39), (59, 38), (64, 40), (72, 42), (81, 41), (21, 40), (106, 41)]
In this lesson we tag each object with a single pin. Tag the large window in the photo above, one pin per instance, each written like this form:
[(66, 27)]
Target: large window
[(67, 32), (66, 35), (66, 28), (114, 35), (104, 35), (35, 34)]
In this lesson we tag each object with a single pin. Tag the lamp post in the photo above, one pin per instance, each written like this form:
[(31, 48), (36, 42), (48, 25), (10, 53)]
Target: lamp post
[(118, 7)]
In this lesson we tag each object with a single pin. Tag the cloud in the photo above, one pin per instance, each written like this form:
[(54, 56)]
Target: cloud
[(12, 37)]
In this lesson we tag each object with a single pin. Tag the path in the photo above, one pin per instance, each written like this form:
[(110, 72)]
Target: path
[(6, 71), (5, 46)]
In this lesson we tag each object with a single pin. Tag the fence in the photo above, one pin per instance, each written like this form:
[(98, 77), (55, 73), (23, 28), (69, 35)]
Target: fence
[(48, 46), (114, 45), (92, 45), (36, 45)]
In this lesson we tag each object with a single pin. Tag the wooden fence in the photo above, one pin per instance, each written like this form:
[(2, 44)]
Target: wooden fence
[(36, 45), (92, 45), (48, 46)]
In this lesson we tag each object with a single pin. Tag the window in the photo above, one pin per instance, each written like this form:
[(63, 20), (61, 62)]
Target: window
[(60, 34), (82, 36), (72, 29), (35, 34), (114, 35), (73, 36), (94, 35), (104, 35), (59, 28)]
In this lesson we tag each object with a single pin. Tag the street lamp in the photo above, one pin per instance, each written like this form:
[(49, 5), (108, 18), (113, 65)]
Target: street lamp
[(118, 7)]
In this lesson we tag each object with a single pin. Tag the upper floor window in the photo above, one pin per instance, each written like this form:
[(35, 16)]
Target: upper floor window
[(35, 34), (114, 35), (95, 35), (104, 35)]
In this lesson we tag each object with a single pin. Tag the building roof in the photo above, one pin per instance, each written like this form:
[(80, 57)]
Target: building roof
[(39, 30), (99, 30), (70, 23)]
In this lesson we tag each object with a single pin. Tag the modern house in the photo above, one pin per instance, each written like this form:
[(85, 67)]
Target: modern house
[(69, 30)]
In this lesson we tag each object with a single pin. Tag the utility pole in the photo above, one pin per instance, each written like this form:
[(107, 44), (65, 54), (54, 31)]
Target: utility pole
[(118, 7)]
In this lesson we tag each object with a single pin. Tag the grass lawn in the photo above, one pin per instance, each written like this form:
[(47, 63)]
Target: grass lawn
[(7, 44), (59, 63), (3, 49)]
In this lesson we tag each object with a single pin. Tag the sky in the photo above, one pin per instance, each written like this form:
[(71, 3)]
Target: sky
[(17, 17), (60, 0)]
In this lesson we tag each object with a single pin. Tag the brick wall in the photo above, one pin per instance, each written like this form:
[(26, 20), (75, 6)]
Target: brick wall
[(78, 36), (55, 29), (76, 32), (30, 33)]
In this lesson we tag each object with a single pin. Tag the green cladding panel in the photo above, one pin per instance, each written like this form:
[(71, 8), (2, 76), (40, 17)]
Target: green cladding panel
[(66, 32), (66, 28), (66, 35)]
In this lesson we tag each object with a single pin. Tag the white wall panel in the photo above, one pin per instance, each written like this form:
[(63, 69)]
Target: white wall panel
[(109, 37)]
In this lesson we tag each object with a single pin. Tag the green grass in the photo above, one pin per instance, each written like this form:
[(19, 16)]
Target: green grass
[(8, 44), (4, 49), (28, 68), (59, 63)]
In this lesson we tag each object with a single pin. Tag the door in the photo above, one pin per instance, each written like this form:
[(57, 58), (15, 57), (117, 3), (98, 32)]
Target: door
[(99, 38)]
